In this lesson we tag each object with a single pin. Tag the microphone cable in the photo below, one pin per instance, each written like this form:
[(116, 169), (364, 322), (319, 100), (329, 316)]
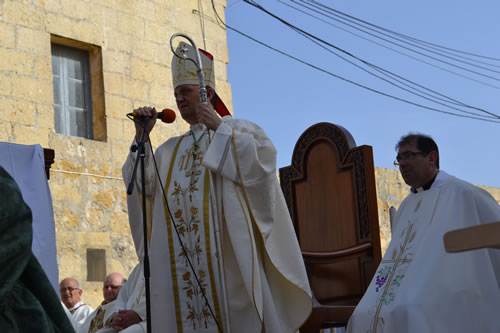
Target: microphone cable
[(172, 220)]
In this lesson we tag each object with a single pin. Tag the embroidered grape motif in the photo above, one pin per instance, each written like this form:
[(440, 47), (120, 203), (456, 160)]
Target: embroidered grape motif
[(380, 282)]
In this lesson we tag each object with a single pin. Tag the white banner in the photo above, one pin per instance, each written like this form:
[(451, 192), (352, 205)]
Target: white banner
[(26, 164)]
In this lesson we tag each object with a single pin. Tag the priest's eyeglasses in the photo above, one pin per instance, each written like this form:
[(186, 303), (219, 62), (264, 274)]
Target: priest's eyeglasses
[(408, 155), (69, 289)]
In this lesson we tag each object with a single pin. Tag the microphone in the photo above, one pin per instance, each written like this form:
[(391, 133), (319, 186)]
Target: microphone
[(166, 115)]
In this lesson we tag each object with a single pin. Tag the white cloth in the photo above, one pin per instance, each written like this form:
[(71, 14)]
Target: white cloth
[(80, 314), (26, 164), (70, 316), (418, 286), (236, 192)]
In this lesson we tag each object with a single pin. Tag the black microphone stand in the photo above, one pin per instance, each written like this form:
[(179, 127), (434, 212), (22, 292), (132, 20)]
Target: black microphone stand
[(141, 151)]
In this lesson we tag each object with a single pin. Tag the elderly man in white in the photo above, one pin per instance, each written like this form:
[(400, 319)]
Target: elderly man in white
[(96, 322), (231, 222), (71, 295)]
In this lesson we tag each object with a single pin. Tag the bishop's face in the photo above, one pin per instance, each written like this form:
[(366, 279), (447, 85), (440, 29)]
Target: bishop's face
[(187, 97)]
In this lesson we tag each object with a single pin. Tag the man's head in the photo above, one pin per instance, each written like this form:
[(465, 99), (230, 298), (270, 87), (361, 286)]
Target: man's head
[(187, 97), (418, 158), (186, 81), (112, 285), (70, 292)]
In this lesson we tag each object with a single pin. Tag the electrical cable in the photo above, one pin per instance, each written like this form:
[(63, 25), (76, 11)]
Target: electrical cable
[(202, 22), (252, 3), (404, 36), (408, 43), (339, 49), (172, 220), (224, 25), (387, 73), (392, 49)]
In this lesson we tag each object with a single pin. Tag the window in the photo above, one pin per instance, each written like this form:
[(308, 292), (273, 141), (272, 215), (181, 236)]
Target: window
[(96, 264), (72, 98), (78, 88)]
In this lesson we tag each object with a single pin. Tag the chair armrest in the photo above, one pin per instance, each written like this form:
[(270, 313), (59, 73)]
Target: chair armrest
[(472, 238), (332, 256)]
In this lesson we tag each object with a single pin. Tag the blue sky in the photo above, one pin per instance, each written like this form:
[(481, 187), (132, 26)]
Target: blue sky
[(286, 97)]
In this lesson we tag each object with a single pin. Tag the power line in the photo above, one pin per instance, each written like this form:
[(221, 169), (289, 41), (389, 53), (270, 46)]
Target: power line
[(406, 36), (392, 49), (224, 25), (233, 3), (410, 49), (368, 25), (391, 75), (295, 28)]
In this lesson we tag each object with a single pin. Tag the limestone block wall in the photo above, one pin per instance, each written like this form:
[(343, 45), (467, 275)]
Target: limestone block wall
[(130, 64)]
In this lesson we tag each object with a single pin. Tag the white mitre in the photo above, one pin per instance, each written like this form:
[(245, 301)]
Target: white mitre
[(185, 71)]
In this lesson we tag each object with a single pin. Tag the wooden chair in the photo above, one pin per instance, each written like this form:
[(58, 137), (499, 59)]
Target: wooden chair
[(473, 238), (330, 192), (48, 155)]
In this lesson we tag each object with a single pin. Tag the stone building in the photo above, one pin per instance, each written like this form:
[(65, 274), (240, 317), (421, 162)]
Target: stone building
[(69, 73)]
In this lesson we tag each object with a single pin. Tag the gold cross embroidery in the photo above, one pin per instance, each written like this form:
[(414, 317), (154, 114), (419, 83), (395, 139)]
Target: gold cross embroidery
[(193, 173)]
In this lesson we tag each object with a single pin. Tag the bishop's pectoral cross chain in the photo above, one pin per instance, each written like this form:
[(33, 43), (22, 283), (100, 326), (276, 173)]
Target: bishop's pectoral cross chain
[(194, 171)]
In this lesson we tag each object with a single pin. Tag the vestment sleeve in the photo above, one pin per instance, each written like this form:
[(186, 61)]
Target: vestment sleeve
[(255, 154), (259, 225), (242, 153), (134, 200)]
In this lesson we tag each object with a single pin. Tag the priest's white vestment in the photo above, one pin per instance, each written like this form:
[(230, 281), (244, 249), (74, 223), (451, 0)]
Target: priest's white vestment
[(418, 286), (95, 322), (80, 312), (223, 195), (132, 296)]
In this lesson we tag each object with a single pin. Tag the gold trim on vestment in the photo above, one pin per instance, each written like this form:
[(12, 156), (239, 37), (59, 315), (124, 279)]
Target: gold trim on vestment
[(249, 224), (242, 186), (206, 221), (173, 270), (173, 255)]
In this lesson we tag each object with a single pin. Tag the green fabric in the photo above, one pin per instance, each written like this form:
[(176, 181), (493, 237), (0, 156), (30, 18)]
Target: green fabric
[(28, 302)]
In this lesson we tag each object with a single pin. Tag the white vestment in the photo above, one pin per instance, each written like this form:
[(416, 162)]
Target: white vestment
[(418, 286), (222, 192), (80, 312), (99, 324), (70, 316), (132, 296)]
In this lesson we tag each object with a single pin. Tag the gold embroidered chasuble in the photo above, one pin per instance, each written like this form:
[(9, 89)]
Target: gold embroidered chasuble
[(192, 245), (230, 193), (96, 322)]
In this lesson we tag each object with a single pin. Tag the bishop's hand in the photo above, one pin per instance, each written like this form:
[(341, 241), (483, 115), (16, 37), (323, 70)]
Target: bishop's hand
[(140, 113), (208, 116)]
